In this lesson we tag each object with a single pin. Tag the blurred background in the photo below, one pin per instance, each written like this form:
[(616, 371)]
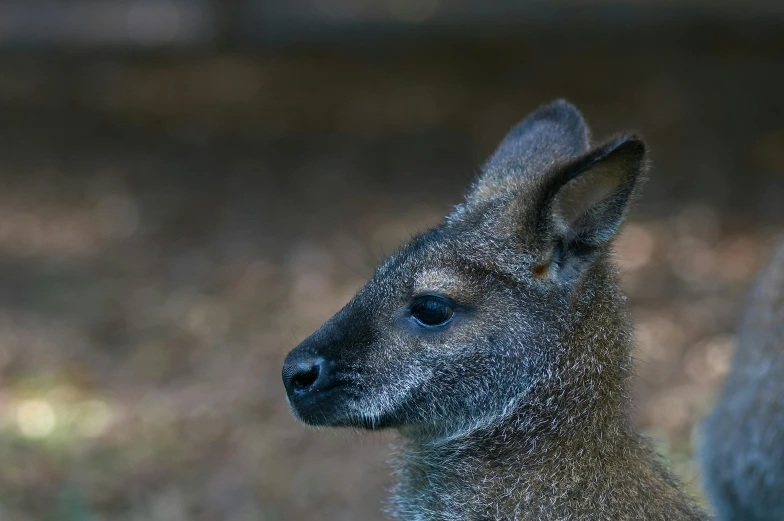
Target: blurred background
[(189, 187)]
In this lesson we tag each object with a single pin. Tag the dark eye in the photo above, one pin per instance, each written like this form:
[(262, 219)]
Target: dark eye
[(431, 311)]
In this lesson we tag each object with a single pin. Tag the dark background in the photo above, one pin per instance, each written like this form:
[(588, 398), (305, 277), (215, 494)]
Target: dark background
[(189, 188)]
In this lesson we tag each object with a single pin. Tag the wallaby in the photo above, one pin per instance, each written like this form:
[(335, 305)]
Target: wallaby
[(742, 441), (498, 345)]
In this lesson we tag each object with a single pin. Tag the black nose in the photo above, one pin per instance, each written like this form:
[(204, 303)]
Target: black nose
[(303, 375)]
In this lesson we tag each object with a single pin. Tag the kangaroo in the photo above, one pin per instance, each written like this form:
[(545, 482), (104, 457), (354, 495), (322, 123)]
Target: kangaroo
[(498, 345), (742, 441)]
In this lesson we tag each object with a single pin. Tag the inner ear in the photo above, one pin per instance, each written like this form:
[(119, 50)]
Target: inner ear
[(579, 196), (585, 203)]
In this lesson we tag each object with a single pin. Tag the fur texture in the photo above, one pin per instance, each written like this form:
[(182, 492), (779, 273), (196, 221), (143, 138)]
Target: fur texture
[(742, 441), (516, 406)]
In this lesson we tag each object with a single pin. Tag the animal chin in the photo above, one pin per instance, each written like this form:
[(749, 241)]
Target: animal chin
[(337, 407), (322, 408)]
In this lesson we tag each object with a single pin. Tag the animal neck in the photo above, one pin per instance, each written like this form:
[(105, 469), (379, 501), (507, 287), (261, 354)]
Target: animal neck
[(509, 474), (560, 438)]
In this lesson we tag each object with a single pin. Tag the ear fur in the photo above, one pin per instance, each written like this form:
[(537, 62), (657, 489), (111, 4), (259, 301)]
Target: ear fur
[(584, 204), (552, 134), (557, 197)]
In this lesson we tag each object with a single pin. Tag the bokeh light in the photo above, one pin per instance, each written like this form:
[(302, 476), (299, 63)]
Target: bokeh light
[(36, 418)]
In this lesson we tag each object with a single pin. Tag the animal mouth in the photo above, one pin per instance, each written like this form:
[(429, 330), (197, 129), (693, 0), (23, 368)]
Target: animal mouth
[(321, 407)]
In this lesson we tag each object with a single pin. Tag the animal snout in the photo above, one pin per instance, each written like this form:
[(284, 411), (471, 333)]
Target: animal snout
[(305, 374)]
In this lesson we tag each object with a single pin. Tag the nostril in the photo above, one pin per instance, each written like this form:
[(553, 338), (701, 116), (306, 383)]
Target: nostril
[(306, 376)]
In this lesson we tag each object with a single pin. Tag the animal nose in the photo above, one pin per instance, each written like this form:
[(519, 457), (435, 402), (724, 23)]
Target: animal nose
[(302, 376)]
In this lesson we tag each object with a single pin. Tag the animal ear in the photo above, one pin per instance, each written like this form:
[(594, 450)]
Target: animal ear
[(583, 205), (550, 135)]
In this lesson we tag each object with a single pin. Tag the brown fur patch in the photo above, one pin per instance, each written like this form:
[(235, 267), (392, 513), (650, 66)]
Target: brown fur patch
[(541, 270)]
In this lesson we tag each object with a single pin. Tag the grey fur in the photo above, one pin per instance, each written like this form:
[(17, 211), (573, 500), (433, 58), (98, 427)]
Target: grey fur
[(518, 407), (742, 441)]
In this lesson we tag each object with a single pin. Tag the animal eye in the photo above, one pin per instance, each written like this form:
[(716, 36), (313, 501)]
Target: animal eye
[(431, 311)]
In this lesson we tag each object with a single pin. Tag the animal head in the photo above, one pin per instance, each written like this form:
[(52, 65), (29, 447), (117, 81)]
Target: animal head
[(475, 316)]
